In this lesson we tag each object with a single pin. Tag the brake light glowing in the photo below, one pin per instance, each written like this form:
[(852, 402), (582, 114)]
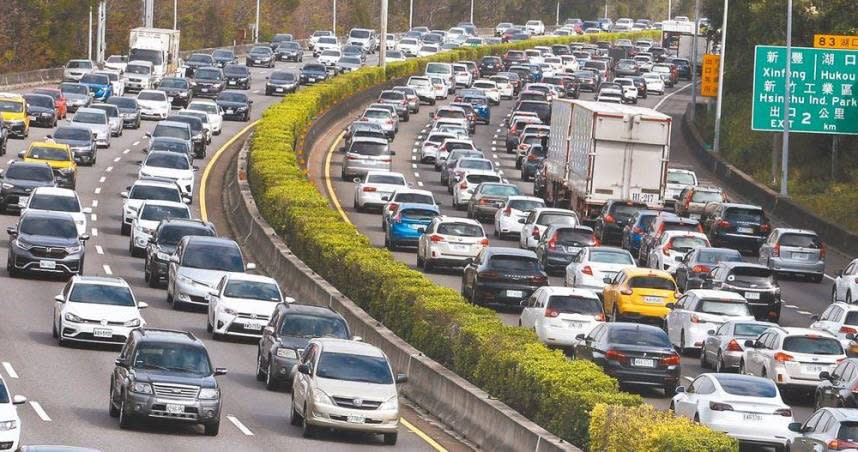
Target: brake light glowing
[(765, 227), (535, 233), (672, 360), (700, 269), (776, 250), (552, 244), (666, 249), (436, 238), (484, 242), (369, 189), (614, 355), (551, 313), (609, 218), (821, 251), (587, 270), (839, 444), (724, 224), (782, 357), (531, 157), (734, 346), (848, 329)]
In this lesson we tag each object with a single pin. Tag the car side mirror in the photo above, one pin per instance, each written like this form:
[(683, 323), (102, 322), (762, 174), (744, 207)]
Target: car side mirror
[(59, 298), (581, 337), (522, 220), (469, 261), (710, 332), (21, 154), (824, 375), (120, 362), (795, 427), (401, 378), (12, 230), (750, 344), (219, 371), (850, 336), (304, 369), (680, 389), (670, 305), (606, 280), (251, 266), (19, 400), (84, 237), (814, 318), (421, 229), (142, 305)]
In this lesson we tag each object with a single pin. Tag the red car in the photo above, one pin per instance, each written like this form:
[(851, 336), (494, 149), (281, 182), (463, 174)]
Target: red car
[(59, 100)]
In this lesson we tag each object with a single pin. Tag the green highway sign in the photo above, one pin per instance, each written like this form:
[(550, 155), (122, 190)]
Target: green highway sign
[(822, 84)]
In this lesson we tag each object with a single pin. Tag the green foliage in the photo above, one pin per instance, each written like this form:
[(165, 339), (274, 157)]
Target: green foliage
[(508, 362), (642, 428)]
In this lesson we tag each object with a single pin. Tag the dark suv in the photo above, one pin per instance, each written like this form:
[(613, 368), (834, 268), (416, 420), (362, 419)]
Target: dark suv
[(237, 76), (615, 215), (45, 242), (502, 275), (286, 336), (20, 179), (737, 226), (163, 244), (754, 282), (165, 374)]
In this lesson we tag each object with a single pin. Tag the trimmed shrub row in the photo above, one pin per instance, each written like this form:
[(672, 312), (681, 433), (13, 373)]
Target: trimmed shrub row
[(509, 363)]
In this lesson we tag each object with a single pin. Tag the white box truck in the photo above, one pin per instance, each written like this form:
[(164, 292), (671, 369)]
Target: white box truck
[(159, 46), (602, 151)]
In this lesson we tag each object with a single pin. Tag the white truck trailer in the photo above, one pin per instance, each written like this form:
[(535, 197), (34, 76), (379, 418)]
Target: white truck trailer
[(159, 46)]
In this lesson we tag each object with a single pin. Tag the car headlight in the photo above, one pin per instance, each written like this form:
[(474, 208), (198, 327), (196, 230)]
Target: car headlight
[(132, 323), (5, 426), (66, 171), (287, 353), (141, 388), (146, 230), (209, 394), (229, 311), (321, 398), (162, 256), (243, 79), (23, 245), (391, 404), (8, 186), (184, 279), (73, 249), (243, 108), (72, 318)]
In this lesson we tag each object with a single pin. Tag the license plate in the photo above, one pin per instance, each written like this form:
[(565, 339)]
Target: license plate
[(745, 230), (253, 326), (639, 362), (752, 295), (279, 90), (256, 61), (813, 370), (169, 99), (644, 197), (652, 299), (49, 265), (32, 117), (356, 419), (102, 332), (694, 216), (459, 247), (229, 112), (173, 408), (574, 324), (232, 82), (515, 293), (311, 79), (801, 256), (752, 417), (205, 90)]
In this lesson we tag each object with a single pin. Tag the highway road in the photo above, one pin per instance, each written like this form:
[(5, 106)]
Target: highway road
[(68, 387), (802, 299)]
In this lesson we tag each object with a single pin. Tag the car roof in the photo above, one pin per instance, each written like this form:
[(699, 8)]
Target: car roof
[(48, 214), (672, 234), (55, 191), (508, 251), (642, 271), (332, 345), (523, 198), (541, 210), (418, 205), (452, 219), (796, 231), (250, 277), (796, 331), (370, 140), (558, 290), (167, 335), (157, 181), (49, 144), (721, 294), (100, 280), (848, 307), (843, 414), (158, 202), (731, 265), (91, 110)]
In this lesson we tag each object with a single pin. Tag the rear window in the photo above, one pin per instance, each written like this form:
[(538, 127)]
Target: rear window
[(418, 214), (480, 178), (651, 282), (626, 210), (800, 240), (475, 164), (575, 237), (716, 257), (848, 432), (385, 179), (460, 229), (515, 263), (500, 190), (525, 204), (719, 307), (680, 178), (416, 198), (706, 196), (685, 226), (744, 215), (687, 243), (851, 318), (740, 386), (611, 257), (557, 218), (813, 345), (750, 274), (651, 337), (570, 304), (366, 148)]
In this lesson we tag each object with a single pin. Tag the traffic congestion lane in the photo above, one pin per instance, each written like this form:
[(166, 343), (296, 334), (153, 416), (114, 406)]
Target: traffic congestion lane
[(73, 392)]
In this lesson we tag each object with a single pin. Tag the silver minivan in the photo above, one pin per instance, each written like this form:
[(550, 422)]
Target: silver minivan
[(794, 252), (365, 154)]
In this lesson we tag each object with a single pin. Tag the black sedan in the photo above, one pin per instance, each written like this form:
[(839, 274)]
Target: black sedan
[(222, 57), (237, 76), (178, 90), (502, 275), (490, 65), (20, 179), (290, 51), (235, 105), (261, 56), (632, 353), (312, 73), (588, 81), (692, 270), (281, 82), (80, 141), (129, 109), (41, 109)]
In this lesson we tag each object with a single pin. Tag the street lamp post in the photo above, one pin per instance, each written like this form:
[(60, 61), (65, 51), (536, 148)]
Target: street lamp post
[(175, 14), (256, 27), (472, 11), (89, 37), (694, 59), (669, 8), (557, 22), (382, 45), (785, 149), (606, 8), (722, 61), (410, 13), (334, 26)]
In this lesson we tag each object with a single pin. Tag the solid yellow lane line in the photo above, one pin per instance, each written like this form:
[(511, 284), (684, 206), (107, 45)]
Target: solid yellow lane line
[(422, 435), (328, 185), (211, 164)]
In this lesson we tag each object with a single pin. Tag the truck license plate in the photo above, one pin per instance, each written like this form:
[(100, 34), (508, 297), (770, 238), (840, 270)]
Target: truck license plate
[(644, 197), (514, 293), (752, 295)]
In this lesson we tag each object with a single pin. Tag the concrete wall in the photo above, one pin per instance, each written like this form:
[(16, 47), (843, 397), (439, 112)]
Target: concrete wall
[(783, 208), (465, 408)]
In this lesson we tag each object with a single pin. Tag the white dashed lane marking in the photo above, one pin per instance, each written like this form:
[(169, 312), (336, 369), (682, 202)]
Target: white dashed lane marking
[(791, 306), (109, 169), (94, 217), (102, 179), (107, 270), (805, 312), (117, 159), (135, 143), (40, 411), (99, 249), (126, 151), (94, 232), (10, 370), (239, 425), (94, 203), (97, 190), (419, 183)]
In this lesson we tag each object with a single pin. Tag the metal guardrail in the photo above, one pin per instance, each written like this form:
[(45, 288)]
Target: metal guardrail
[(28, 77)]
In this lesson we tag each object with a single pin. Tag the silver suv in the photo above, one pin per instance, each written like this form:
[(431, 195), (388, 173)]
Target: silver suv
[(365, 154), (346, 385), (365, 38)]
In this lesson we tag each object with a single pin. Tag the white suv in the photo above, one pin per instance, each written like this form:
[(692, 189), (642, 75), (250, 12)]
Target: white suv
[(535, 26), (95, 309), (450, 241), (792, 357), (145, 189), (839, 319), (242, 305)]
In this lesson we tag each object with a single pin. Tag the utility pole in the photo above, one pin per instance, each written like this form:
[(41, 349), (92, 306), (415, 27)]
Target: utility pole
[(148, 13), (694, 59), (334, 26), (787, 88), (89, 37), (669, 9), (382, 45), (557, 23), (410, 13), (721, 62), (101, 39), (175, 14), (472, 11), (256, 27), (606, 8)]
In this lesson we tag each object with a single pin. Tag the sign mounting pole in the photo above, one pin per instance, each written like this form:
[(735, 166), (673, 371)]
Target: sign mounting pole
[(788, 76), (723, 61)]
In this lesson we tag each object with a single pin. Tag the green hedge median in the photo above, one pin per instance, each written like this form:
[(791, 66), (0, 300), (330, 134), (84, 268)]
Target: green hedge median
[(508, 362)]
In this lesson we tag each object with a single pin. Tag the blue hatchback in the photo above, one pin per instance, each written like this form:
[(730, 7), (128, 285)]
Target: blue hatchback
[(98, 84), (480, 103), (635, 230), (408, 224)]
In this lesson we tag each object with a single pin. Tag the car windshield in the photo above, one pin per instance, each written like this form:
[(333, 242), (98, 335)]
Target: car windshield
[(327, 40), (66, 88), (718, 256), (414, 198), (191, 359), (123, 102), (525, 204), (252, 290), (54, 202), (500, 190), (214, 257), (155, 212), (236, 70), (79, 65), (232, 97), (652, 282), (611, 257), (29, 172), (72, 133), (223, 54), (751, 275), (95, 79), (169, 146), (171, 132), (40, 101), (260, 50), (476, 164), (155, 193), (573, 304), (648, 337), (199, 58), (418, 214), (101, 294), (814, 345), (750, 329), (174, 83), (368, 148), (359, 34), (86, 117), (687, 243), (740, 385), (168, 160), (153, 96), (548, 218), (310, 326), (719, 307), (514, 263), (706, 196), (110, 111), (48, 153), (800, 240), (283, 77), (51, 227), (680, 177), (208, 74), (351, 367), (137, 69)]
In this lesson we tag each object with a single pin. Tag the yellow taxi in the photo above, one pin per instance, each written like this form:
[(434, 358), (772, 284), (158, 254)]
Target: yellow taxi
[(639, 293), (13, 110), (59, 156)]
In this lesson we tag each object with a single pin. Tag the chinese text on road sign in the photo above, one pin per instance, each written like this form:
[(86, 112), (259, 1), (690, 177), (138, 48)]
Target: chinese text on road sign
[(836, 42), (709, 81), (822, 86)]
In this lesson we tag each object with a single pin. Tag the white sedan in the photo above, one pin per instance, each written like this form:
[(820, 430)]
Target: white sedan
[(210, 108), (654, 83), (330, 57), (559, 314), (468, 181), (429, 150), (96, 309), (242, 305), (700, 311), (515, 208), (149, 216), (538, 221), (744, 407), (372, 190), (153, 104), (593, 265), (170, 165), (10, 422), (52, 199), (490, 89), (672, 247)]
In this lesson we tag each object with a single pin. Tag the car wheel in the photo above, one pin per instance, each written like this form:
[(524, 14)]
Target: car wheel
[(390, 438), (271, 383), (703, 362), (111, 408), (615, 315), (260, 374), (849, 297), (10, 268), (125, 229), (212, 429), (295, 419), (428, 266), (153, 280), (308, 431), (669, 389), (475, 299), (742, 369), (124, 416), (420, 260), (720, 366), (817, 278)]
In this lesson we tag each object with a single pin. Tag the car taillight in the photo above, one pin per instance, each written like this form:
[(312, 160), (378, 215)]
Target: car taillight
[(436, 238), (552, 243), (587, 270), (463, 185), (784, 412), (626, 291), (848, 329), (513, 131), (535, 233), (369, 189), (776, 250), (840, 444), (489, 275), (507, 212), (637, 230), (821, 251), (672, 360), (695, 318), (392, 206), (596, 241), (718, 406), (733, 346), (484, 202), (397, 218), (724, 224), (531, 157), (539, 279), (609, 218), (614, 355), (782, 357), (765, 227), (551, 313), (600, 317), (700, 269), (666, 249), (484, 242)]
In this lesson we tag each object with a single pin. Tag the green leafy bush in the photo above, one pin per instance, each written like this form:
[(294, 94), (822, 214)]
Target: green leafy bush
[(509, 363)]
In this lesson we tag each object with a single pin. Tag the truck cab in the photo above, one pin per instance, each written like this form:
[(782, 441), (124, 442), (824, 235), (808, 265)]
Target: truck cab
[(158, 46)]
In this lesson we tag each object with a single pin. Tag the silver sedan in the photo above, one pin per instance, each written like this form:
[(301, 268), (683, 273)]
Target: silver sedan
[(724, 347)]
